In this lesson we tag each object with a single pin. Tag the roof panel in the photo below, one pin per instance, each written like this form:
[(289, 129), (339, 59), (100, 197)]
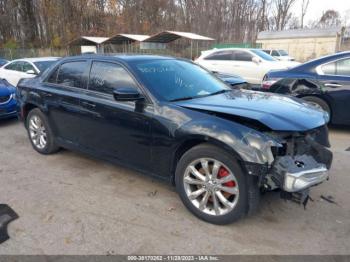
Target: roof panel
[(299, 33), (169, 36), (88, 40), (126, 38)]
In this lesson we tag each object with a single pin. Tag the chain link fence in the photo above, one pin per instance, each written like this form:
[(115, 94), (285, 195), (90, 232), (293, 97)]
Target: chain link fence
[(10, 53), (180, 48)]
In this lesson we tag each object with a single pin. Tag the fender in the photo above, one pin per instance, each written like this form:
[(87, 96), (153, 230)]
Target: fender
[(230, 135)]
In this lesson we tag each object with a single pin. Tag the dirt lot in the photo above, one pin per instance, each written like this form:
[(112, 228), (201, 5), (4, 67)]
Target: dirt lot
[(69, 203)]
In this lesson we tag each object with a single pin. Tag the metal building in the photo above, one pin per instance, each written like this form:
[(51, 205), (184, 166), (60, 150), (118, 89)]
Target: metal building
[(304, 44), (124, 43), (87, 44)]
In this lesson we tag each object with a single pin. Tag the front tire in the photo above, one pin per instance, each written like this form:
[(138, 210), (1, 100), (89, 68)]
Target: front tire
[(212, 185), (40, 133)]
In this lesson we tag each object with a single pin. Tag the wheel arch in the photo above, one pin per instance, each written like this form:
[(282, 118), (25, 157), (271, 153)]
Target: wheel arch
[(26, 109), (189, 143), (323, 98)]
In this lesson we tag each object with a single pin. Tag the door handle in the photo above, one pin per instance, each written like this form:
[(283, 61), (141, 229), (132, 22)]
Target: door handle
[(89, 104), (333, 85)]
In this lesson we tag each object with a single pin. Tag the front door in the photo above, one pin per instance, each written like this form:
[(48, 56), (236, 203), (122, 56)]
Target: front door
[(114, 129)]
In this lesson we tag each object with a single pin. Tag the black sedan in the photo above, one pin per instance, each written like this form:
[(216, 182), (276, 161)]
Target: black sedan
[(324, 82), (172, 119)]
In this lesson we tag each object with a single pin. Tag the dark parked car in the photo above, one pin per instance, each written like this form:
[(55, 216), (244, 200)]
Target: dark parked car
[(171, 119), (8, 104), (324, 82)]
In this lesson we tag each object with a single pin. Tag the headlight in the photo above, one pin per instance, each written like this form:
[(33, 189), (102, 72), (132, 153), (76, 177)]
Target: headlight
[(13, 96), (263, 144)]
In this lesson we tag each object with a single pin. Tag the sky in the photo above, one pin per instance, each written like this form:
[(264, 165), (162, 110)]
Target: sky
[(317, 7)]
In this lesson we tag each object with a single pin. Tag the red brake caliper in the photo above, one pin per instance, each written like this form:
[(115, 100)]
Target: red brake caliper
[(222, 173)]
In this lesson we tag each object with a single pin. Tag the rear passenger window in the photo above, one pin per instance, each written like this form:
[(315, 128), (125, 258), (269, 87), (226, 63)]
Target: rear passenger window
[(343, 67), (221, 55), (340, 68), (16, 66), (329, 69), (72, 74), (105, 77)]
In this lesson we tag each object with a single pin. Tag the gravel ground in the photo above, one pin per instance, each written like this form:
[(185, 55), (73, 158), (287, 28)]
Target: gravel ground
[(69, 203)]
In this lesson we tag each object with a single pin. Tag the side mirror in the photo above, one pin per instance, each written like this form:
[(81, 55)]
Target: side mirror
[(31, 72), (127, 94), (256, 60)]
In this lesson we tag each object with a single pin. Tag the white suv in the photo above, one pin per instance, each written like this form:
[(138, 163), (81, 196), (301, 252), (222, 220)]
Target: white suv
[(251, 64)]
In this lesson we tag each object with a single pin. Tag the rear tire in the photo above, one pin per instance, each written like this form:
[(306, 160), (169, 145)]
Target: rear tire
[(40, 133), (318, 102), (209, 160)]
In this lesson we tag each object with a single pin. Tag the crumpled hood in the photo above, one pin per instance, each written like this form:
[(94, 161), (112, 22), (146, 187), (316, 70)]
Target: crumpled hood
[(279, 113), (6, 88)]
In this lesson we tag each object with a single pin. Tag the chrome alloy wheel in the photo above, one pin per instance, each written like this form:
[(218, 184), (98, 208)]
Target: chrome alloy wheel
[(37, 132), (211, 186)]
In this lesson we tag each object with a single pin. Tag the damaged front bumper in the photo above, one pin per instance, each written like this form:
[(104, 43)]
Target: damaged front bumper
[(299, 172), (303, 161)]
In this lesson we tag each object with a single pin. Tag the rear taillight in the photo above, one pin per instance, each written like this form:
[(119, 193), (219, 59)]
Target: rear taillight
[(267, 83)]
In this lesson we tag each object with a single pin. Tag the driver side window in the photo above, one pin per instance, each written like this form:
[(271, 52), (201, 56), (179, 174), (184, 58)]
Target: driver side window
[(28, 67), (105, 77), (275, 53), (242, 56)]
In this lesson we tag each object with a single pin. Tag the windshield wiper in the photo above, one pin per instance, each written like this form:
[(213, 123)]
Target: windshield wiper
[(182, 98), (219, 92), (193, 97)]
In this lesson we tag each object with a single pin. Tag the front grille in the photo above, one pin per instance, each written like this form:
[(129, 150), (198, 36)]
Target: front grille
[(4, 99)]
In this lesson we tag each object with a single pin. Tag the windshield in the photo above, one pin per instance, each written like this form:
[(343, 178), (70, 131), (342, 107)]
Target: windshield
[(43, 65), (283, 52), (263, 55), (173, 80)]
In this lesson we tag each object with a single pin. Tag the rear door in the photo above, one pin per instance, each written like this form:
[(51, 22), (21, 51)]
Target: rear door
[(65, 85), (245, 67), (220, 61), (115, 129), (335, 77)]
